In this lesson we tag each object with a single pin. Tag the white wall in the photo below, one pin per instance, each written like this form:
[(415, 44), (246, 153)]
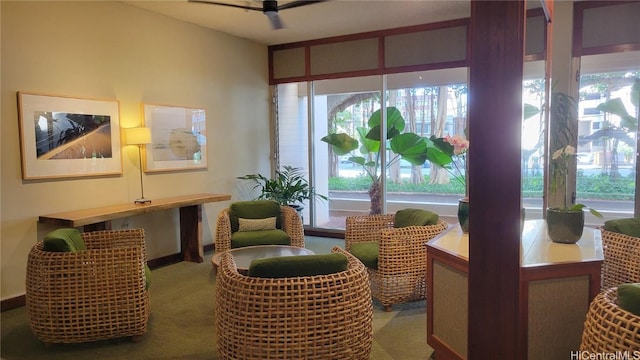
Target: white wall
[(108, 50)]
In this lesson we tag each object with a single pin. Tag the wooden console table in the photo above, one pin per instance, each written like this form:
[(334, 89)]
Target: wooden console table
[(190, 218)]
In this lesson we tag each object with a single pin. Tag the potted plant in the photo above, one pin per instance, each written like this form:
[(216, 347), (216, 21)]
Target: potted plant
[(566, 222), (449, 152), (407, 146), (288, 187)]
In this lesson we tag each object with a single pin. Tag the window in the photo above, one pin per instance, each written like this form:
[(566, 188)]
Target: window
[(607, 180)]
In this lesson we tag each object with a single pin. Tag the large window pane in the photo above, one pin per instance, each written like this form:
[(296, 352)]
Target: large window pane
[(607, 141), (344, 106), (432, 103), (532, 138)]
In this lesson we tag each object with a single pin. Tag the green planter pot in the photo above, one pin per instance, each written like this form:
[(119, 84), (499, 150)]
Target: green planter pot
[(463, 215), (564, 226)]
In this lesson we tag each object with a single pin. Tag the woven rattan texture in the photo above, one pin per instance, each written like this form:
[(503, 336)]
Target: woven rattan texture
[(402, 256), (89, 295), (313, 317), (608, 328), (291, 224), (621, 259)]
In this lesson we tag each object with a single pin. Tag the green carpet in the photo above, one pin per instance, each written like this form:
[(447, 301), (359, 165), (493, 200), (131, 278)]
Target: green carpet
[(181, 323)]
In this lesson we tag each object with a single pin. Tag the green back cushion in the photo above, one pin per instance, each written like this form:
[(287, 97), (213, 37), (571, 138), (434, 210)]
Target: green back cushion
[(414, 217), (302, 265), (63, 240), (147, 277), (258, 209), (367, 253), (629, 298), (259, 237), (629, 226)]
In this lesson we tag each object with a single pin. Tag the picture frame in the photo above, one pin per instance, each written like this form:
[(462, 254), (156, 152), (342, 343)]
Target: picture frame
[(63, 136), (178, 138)]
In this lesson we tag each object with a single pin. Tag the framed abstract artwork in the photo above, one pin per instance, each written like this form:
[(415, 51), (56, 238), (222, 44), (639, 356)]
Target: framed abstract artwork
[(178, 138), (68, 137)]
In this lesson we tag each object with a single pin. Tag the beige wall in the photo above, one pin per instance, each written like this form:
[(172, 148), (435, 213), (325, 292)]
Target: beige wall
[(109, 50)]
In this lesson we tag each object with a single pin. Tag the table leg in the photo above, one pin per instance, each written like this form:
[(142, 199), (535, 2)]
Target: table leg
[(191, 233)]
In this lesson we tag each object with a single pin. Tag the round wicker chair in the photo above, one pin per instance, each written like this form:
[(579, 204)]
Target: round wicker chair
[(402, 259), (608, 328), (291, 224), (621, 263), (94, 294), (309, 317)]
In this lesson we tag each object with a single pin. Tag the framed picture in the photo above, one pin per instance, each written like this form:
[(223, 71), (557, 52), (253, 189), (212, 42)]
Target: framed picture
[(68, 137), (178, 138)]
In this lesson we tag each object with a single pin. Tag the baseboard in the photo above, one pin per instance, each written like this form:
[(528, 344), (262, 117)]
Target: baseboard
[(13, 303), (336, 234)]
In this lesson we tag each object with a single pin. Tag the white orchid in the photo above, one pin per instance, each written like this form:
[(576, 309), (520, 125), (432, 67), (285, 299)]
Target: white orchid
[(561, 159)]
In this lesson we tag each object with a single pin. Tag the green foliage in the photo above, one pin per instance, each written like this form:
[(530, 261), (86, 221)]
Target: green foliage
[(408, 146), (601, 187), (616, 107), (563, 116), (289, 187)]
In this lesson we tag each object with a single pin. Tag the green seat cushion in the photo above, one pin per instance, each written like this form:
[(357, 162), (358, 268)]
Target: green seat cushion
[(629, 226), (367, 253), (260, 237), (147, 277), (301, 265), (414, 217), (63, 240), (258, 209), (629, 298)]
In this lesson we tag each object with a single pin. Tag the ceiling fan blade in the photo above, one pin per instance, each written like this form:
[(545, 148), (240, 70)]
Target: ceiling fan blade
[(298, 3), (274, 18), (227, 4)]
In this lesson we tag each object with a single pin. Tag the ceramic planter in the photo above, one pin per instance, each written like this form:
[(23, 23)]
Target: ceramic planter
[(463, 214), (564, 226)]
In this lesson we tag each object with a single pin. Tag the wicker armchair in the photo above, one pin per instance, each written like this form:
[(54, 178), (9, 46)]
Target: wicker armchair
[(608, 328), (402, 257), (308, 317), (621, 259), (291, 224), (94, 294)]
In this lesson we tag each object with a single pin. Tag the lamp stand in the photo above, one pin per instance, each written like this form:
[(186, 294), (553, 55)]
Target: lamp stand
[(141, 200)]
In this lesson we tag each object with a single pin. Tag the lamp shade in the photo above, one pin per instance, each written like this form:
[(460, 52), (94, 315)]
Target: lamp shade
[(138, 136)]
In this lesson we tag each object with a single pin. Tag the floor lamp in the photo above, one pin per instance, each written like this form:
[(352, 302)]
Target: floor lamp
[(139, 136)]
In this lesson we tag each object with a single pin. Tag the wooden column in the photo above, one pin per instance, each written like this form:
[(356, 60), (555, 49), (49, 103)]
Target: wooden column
[(495, 112)]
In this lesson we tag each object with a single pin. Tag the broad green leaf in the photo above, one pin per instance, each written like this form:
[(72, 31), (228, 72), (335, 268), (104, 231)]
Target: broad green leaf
[(529, 111), (357, 160), (367, 145), (437, 156), (374, 133), (395, 123), (410, 147), (342, 143)]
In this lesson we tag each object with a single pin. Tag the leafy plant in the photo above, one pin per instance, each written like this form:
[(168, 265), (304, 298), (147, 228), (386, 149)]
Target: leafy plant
[(616, 107), (288, 187), (408, 146)]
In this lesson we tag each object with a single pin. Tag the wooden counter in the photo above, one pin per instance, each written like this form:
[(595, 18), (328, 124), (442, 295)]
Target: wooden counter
[(190, 218), (557, 283)]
